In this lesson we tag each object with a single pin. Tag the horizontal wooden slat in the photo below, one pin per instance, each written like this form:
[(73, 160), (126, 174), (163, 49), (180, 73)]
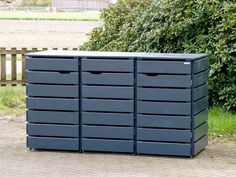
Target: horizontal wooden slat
[(167, 135), (158, 121), (95, 118), (200, 118), (28, 50), (201, 78), (108, 145), (159, 148), (164, 80), (200, 144), (161, 121), (109, 65), (18, 51), (108, 92), (167, 108), (200, 131), (200, 105), (107, 105), (107, 78), (52, 130), (52, 64), (53, 104), (52, 90), (164, 94), (53, 117), (107, 132), (200, 92), (201, 65), (53, 143), (168, 67), (52, 77), (12, 82)]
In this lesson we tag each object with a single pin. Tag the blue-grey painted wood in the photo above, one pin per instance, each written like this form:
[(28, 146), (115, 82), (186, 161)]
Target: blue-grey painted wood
[(200, 92), (107, 105), (168, 67), (200, 131), (107, 78), (159, 148), (167, 135), (201, 65), (167, 108), (52, 90), (107, 92), (200, 144), (52, 64), (111, 132), (162, 94), (109, 65), (96, 118), (52, 130), (99, 54), (52, 77), (200, 105), (108, 110), (107, 145), (53, 104), (53, 143), (200, 78), (200, 118), (161, 121), (53, 117), (164, 80)]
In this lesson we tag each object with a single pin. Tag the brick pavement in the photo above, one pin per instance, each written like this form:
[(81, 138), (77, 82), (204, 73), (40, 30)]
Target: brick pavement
[(218, 159)]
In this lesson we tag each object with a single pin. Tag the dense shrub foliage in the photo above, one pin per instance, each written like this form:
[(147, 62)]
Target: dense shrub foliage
[(199, 26)]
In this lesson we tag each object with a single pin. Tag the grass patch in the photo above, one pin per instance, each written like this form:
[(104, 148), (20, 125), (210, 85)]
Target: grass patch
[(63, 16), (12, 100), (222, 124)]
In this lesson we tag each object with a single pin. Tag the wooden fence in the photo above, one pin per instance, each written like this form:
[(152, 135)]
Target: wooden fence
[(16, 56)]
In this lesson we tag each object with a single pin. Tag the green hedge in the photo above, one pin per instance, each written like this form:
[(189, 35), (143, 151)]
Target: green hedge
[(183, 26)]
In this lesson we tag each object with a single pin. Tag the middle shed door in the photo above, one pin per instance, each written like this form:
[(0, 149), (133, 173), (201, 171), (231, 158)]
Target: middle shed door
[(108, 104)]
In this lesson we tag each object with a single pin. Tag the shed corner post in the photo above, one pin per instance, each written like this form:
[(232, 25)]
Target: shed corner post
[(192, 109)]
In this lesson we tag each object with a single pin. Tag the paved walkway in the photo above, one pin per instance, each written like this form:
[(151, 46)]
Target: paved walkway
[(219, 159), (51, 34)]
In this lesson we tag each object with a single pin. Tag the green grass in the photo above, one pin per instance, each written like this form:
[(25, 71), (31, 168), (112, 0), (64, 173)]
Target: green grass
[(12, 100), (222, 124), (65, 16)]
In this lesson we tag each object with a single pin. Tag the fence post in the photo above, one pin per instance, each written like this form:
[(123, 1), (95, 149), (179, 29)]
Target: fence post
[(3, 65), (23, 67), (13, 66)]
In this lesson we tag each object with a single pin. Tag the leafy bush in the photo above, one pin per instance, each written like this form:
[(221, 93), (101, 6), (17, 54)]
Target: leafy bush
[(176, 26)]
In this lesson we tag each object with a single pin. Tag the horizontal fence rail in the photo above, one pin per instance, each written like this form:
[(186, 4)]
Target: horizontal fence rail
[(13, 64)]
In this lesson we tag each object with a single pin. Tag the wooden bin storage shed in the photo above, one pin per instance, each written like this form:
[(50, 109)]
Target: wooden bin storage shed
[(142, 103)]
